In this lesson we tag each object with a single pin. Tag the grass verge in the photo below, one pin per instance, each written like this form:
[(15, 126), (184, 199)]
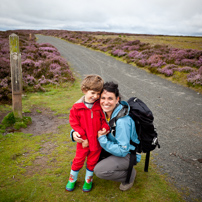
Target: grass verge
[(36, 168)]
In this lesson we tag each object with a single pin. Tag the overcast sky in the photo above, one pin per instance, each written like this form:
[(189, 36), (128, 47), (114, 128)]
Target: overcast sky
[(167, 17)]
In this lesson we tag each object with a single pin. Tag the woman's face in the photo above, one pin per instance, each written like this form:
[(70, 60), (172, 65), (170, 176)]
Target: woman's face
[(108, 102)]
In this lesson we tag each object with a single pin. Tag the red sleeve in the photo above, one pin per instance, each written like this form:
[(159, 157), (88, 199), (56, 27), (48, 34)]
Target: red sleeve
[(75, 124)]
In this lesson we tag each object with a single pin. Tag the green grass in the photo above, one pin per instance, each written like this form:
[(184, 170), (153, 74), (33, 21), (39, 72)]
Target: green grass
[(5, 108), (36, 168), (58, 98)]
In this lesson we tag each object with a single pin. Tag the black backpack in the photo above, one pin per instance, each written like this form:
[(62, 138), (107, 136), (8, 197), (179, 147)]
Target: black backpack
[(146, 132)]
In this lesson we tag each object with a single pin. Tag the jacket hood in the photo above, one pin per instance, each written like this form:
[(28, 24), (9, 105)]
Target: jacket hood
[(119, 107), (81, 100), (80, 104)]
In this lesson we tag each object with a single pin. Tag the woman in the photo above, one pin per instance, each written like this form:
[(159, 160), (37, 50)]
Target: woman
[(115, 167)]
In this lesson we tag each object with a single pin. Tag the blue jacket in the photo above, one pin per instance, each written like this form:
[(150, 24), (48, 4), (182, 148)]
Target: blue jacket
[(119, 145)]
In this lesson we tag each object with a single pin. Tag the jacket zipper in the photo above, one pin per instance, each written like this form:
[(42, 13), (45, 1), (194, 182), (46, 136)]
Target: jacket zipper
[(91, 114)]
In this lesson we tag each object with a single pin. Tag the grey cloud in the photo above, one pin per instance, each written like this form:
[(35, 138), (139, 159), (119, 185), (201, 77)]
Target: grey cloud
[(182, 17)]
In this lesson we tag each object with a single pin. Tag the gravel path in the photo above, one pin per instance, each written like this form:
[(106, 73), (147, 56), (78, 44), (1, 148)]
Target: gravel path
[(177, 111)]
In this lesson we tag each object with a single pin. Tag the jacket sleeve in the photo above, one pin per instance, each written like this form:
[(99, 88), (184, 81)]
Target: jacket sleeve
[(121, 146), (75, 124), (71, 135)]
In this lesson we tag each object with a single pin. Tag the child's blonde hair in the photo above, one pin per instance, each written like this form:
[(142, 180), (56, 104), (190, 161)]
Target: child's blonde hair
[(92, 82)]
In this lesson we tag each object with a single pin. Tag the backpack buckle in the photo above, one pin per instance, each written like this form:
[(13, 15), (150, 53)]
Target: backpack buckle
[(155, 141)]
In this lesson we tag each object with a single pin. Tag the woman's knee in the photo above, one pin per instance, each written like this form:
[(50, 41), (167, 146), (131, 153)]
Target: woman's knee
[(103, 173), (97, 170)]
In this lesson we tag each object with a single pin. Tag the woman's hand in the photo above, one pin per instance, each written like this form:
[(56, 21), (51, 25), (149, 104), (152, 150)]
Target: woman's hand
[(77, 137), (102, 132)]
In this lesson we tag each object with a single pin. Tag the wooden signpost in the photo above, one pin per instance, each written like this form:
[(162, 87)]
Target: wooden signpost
[(16, 75)]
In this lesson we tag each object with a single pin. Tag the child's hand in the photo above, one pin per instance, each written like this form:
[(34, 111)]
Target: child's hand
[(102, 132), (85, 143)]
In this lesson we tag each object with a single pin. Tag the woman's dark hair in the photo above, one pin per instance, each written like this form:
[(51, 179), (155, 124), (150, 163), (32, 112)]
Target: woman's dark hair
[(112, 88)]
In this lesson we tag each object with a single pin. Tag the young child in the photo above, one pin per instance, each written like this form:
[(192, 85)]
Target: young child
[(87, 118)]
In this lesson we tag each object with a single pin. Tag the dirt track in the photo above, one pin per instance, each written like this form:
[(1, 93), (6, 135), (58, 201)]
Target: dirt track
[(177, 111)]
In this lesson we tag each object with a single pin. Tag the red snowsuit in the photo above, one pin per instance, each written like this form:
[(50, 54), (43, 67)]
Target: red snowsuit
[(87, 122)]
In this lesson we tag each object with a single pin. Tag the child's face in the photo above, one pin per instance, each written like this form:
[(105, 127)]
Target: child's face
[(91, 96)]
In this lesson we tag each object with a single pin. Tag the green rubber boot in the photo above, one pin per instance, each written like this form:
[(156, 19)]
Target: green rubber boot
[(87, 186), (72, 180), (70, 186)]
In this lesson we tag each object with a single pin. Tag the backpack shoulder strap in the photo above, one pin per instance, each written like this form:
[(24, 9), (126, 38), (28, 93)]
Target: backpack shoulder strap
[(122, 113)]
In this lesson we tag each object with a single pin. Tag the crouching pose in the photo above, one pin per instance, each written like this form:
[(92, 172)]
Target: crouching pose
[(115, 167)]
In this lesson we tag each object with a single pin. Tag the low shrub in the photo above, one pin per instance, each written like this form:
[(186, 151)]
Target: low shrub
[(38, 61)]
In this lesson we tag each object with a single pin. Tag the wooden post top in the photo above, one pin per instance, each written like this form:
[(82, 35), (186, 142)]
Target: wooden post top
[(14, 43)]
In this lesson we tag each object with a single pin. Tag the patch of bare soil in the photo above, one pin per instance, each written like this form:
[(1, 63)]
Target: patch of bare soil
[(41, 162), (43, 121)]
